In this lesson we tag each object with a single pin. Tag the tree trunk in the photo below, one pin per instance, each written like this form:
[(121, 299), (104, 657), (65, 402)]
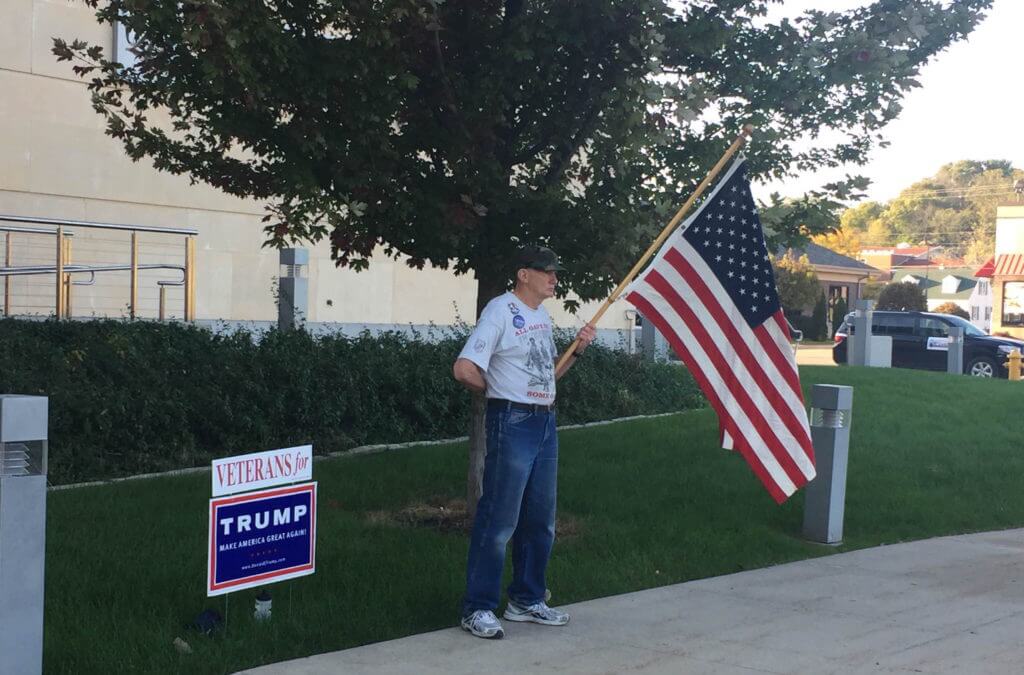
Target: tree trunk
[(489, 285)]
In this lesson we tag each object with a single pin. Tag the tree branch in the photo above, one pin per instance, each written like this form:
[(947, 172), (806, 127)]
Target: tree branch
[(557, 167), (585, 128)]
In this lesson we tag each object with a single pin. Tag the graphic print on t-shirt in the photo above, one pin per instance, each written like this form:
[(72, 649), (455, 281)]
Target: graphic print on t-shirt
[(539, 365), (512, 344), (538, 360)]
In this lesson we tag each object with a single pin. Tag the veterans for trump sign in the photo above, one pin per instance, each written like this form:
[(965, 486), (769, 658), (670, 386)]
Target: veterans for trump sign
[(262, 469), (261, 537)]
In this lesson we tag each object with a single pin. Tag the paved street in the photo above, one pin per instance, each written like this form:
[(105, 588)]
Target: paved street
[(814, 355)]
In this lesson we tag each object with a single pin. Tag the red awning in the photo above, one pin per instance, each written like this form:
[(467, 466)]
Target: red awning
[(986, 270), (1010, 265)]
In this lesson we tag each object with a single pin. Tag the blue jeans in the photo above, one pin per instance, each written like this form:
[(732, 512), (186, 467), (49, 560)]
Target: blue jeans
[(517, 503)]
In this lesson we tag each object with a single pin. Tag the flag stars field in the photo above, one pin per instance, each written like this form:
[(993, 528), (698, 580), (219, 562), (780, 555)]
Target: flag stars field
[(743, 253)]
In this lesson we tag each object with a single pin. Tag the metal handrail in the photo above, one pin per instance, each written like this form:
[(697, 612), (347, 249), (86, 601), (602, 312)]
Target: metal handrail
[(32, 230), (29, 270), (90, 282), (63, 271), (100, 226), (81, 269)]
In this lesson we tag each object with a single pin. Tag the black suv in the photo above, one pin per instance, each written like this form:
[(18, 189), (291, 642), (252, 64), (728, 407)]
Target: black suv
[(917, 342)]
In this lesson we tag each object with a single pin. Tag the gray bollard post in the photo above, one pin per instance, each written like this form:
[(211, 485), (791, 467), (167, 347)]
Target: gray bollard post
[(955, 355), (23, 450), (860, 349), (825, 498), (293, 288)]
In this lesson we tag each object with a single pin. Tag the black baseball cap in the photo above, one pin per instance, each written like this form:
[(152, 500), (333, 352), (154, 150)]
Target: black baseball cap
[(538, 258)]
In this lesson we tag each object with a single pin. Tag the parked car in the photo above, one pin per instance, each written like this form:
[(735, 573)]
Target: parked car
[(918, 342)]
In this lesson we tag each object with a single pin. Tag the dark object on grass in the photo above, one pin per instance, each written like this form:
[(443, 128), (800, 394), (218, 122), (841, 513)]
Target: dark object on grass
[(208, 621)]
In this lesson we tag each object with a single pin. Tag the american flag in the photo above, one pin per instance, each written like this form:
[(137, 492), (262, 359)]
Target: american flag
[(711, 293)]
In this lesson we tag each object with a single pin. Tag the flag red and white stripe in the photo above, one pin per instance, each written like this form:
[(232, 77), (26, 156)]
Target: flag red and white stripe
[(737, 349)]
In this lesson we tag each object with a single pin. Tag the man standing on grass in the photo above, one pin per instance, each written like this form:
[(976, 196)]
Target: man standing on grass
[(510, 357)]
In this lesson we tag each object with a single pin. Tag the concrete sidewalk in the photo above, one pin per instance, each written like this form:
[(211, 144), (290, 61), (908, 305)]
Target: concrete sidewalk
[(948, 605), (814, 355)]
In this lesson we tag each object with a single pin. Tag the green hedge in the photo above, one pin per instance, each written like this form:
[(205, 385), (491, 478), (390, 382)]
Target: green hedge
[(128, 398)]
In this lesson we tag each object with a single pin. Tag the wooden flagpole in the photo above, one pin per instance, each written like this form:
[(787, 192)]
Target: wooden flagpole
[(652, 249)]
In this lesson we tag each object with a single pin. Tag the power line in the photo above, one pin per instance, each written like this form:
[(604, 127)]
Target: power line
[(977, 191), (1007, 185), (896, 251)]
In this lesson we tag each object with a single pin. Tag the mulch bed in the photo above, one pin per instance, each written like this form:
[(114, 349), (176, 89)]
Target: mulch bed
[(448, 515)]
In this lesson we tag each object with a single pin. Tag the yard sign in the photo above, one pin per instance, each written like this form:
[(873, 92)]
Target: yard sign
[(261, 537), (264, 535)]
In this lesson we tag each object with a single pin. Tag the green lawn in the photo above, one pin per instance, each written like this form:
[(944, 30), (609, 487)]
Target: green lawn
[(655, 501)]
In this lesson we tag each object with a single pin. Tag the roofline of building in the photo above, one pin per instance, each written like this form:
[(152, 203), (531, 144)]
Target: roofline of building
[(860, 271)]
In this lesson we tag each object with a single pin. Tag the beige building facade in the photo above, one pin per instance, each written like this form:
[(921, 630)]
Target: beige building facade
[(1008, 275), (56, 162)]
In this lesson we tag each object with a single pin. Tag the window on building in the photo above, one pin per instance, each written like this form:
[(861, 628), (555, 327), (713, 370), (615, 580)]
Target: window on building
[(982, 288), (975, 313), (124, 40), (988, 313), (836, 292), (1013, 303)]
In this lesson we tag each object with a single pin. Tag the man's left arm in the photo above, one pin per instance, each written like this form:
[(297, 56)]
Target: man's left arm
[(584, 337)]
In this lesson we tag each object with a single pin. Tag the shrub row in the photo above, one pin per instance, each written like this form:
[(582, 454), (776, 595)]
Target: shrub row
[(128, 398)]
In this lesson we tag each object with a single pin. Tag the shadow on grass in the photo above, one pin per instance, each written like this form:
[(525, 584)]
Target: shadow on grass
[(448, 515)]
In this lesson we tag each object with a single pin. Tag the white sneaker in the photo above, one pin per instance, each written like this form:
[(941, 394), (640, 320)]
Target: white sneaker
[(482, 623), (538, 613)]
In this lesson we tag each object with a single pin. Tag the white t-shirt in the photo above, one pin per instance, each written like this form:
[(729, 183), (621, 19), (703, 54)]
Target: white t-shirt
[(513, 345)]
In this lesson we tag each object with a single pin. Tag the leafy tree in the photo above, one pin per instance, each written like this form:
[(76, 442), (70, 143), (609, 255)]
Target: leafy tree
[(844, 240), (954, 209), (872, 289), (952, 308), (858, 218), (839, 310), (923, 214), (987, 191), (445, 133), (879, 234), (819, 318), (796, 280), (981, 247), (903, 297)]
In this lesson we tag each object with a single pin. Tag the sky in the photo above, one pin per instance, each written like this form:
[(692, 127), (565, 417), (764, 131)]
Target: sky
[(970, 106)]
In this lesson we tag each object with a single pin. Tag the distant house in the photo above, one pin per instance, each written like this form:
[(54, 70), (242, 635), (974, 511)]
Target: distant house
[(993, 294), (981, 300), (840, 276), (903, 255), (958, 285)]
